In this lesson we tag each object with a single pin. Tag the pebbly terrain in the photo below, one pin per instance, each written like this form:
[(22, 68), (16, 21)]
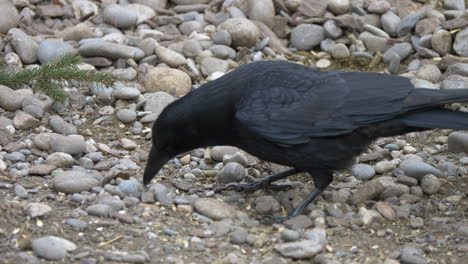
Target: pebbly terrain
[(70, 173)]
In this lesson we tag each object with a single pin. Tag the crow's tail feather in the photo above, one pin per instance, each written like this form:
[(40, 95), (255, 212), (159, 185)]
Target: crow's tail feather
[(437, 118), (425, 98)]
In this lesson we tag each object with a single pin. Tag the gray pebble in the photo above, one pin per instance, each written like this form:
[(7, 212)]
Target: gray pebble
[(266, 205), (416, 222), (232, 172), (37, 209), (299, 250), (222, 37), (418, 169), (390, 22), (430, 184), (126, 93), (15, 156), (238, 236), (101, 210), (161, 194), (411, 255), (21, 192), (401, 49), (74, 182), (363, 171), (214, 209), (77, 223), (458, 142), (318, 235), (61, 126), (307, 36), (50, 49), (407, 24), (52, 247), (130, 187), (119, 16), (126, 115), (332, 30), (340, 51), (289, 235)]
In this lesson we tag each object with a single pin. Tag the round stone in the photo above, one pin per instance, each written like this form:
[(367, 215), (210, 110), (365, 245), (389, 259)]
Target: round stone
[(172, 81), (243, 31), (126, 115), (307, 36)]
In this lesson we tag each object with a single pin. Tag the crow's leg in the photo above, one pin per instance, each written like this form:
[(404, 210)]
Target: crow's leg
[(265, 182), (322, 178)]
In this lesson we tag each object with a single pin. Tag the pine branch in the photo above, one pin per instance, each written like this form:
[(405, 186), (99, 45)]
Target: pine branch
[(52, 76)]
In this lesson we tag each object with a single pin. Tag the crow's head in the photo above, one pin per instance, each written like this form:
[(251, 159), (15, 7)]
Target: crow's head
[(174, 132)]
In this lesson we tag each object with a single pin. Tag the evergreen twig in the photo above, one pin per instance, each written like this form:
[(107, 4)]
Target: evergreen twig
[(53, 75)]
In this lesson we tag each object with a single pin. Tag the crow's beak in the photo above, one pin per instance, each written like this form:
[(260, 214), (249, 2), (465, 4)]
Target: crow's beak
[(156, 159)]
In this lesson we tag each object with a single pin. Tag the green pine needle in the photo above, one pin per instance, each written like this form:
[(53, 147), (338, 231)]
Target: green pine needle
[(52, 76)]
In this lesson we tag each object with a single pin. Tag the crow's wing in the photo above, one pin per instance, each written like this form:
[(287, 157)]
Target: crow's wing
[(288, 108)]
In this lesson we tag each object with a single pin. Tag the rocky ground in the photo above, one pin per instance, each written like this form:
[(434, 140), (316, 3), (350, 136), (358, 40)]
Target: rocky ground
[(70, 172)]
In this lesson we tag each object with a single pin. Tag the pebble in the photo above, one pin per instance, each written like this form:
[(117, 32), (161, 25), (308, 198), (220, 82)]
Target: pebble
[(21, 192), (386, 210), (458, 142), (411, 255), (222, 37), (41, 169), (239, 236), (15, 156), (299, 222), (299, 250), (101, 210), (73, 182), (156, 102), (36, 105), (266, 205), (171, 81), (339, 7), (100, 48), (441, 41), (460, 45), (130, 187), (162, 194), (416, 222), (61, 126), (462, 230), (367, 191), (126, 93), (307, 36), (52, 247), (243, 31), (119, 16), (9, 16), (384, 166), (323, 63), (126, 115), (407, 24), (37, 209), (340, 51), (429, 72), (232, 172), (24, 45), (454, 4), (214, 209), (332, 30), (289, 235), (50, 49), (317, 235), (77, 223), (23, 120), (60, 160), (211, 65), (390, 22), (430, 184), (12, 100), (418, 169), (403, 50)]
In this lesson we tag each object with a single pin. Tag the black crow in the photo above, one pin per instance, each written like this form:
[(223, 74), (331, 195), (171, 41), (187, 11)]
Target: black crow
[(290, 114)]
